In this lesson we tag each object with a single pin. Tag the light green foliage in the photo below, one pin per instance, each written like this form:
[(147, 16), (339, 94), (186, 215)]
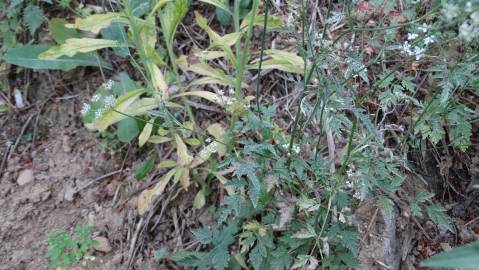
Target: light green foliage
[(33, 17), (462, 258), (65, 250)]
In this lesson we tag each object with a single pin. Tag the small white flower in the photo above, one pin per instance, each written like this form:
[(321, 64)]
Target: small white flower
[(428, 40), (285, 146), (108, 85), (99, 113), (467, 32), (208, 140), (95, 98), (231, 91), (468, 6), (407, 48), (109, 101), (450, 11), (296, 149), (221, 92), (423, 28), (475, 17), (212, 148), (419, 52), (85, 108), (412, 36)]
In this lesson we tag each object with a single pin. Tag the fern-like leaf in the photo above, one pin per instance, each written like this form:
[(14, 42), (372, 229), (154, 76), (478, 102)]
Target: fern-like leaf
[(33, 17)]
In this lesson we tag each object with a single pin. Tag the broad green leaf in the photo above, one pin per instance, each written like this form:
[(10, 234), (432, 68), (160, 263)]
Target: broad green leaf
[(27, 56), (145, 168), (145, 133), (218, 3), (116, 31), (171, 16), (223, 16), (33, 17), (127, 129), (59, 32), (95, 23), (147, 196), (462, 258), (74, 46)]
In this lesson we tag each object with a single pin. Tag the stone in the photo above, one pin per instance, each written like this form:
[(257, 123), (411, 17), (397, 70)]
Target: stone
[(25, 177), (102, 244)]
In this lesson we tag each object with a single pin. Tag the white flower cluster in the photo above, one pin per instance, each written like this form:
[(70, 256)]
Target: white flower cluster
[(418, 51), (85, 108), (451, 11), (296, 149), (108, 85), (108, 102), (469, 29)]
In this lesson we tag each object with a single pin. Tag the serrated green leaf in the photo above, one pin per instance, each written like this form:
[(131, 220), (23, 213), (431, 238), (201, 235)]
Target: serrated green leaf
[(204, 235), (423, 196), (437, 214), (387, 204), (27, 56), (33, 17), (255, 257)]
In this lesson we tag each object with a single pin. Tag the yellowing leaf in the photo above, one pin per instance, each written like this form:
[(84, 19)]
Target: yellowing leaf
[(73, 46), (145, 134), (147, 196), (217, 3), (204, 154), (184, 158), (127, 105), (158, 139), (218, 41), (218, 132), (209, 55), (217, 74), (274, 23), (200, 200), (215, 98), (167, 164), (95, 23), (183, 175), (157, 79), (282, 60)]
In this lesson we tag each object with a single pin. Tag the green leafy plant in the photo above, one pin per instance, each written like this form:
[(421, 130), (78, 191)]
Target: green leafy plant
[(463, 258), (65, 250)]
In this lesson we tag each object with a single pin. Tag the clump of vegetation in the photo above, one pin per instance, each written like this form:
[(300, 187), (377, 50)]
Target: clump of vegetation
[(65, 250), (291, 188)]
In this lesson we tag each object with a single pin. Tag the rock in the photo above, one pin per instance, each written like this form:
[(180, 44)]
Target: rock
[(25, 177), (102, 244), (69, 192)]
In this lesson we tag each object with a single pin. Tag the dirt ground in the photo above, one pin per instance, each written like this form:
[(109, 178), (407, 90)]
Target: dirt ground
[(56, 175)]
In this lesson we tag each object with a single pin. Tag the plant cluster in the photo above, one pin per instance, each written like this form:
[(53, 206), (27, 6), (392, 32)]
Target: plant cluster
[(291, 191)]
